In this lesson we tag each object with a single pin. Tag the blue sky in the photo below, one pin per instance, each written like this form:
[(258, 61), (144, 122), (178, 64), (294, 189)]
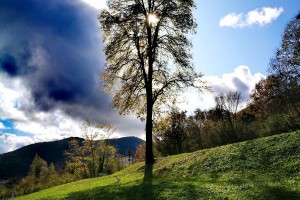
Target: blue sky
[(219, 50), (51, 58)]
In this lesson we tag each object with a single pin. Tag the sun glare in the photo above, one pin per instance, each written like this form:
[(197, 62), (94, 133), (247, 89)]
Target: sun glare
[(152, 18), (98, 4)]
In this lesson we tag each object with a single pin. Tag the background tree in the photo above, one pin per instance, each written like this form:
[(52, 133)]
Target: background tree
[(263, 96), (276, 99), (90, 135), (148, 56), (196, 133), (35, 180), (228, 105), (76, 159), (105, 150), (40, 176), (285, 66), (38, 169), (90, 157), (53, 178), (171, 133), (140, 153), (247, 124)]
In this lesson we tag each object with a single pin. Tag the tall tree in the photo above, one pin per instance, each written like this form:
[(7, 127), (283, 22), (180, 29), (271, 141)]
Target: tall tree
[(148, 56), (285, 65)]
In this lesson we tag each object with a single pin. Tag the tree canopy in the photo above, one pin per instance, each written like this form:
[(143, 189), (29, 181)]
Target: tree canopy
[(133, 42)]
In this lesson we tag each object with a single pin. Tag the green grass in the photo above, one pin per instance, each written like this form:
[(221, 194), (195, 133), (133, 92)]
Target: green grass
[(265, 168)]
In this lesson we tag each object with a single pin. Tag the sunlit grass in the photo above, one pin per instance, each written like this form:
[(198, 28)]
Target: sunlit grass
[(266, 168)]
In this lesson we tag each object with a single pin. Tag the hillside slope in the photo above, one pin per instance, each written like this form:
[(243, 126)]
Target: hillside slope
[(16, 164), (265, 168)]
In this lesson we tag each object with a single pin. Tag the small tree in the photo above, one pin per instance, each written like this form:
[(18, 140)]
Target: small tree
[(76, 159), (140, 153), (197, 126), (52, 178), (171, 133), (89, 157), (38, 169), (90, 147), (105, 150), (40, 176), (228, 104), (264, 97)]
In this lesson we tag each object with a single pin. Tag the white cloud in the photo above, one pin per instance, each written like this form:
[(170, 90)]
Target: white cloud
[(260, 17), (241, 79), (2, 126), (10, 142), (49, 126), (263, 16), (231, 20), (15, 102), (12, 93)]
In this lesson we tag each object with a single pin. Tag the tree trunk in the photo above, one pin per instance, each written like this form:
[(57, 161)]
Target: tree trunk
[(102, 158), (83, 165), (149, 122), (149, 127)]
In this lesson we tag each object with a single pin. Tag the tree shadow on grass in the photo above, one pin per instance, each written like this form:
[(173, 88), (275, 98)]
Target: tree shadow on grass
[(134, 190), (279, 193), (150, 188), (147, 184), (275, 193), (107, 192)]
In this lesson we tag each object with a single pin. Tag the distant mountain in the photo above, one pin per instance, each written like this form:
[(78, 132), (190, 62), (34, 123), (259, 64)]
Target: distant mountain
[(16, 164)]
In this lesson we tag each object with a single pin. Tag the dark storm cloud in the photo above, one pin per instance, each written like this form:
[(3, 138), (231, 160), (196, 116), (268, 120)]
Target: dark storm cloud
[(8, 65), (55, 47), (11, 65)]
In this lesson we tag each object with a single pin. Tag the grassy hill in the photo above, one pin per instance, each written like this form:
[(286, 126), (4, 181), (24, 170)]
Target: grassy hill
[(265, 168), (16, 164)]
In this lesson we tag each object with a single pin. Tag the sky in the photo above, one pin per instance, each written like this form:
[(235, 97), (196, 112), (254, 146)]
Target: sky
[(51, 58)]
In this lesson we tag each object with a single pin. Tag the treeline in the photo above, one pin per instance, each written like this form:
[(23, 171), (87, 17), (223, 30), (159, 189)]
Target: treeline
[(274, 107), (87, 158), (40, 176)]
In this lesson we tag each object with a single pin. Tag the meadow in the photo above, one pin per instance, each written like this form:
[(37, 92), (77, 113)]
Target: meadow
[(264, 168)]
